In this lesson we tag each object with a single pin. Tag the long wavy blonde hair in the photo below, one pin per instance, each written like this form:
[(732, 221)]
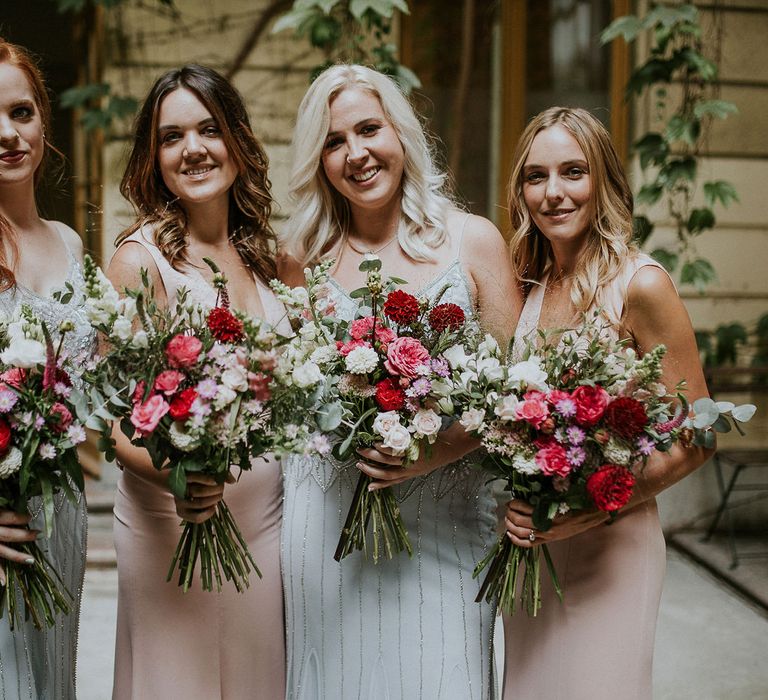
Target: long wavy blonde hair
[(250, 201), (609, 240), (321, 215)]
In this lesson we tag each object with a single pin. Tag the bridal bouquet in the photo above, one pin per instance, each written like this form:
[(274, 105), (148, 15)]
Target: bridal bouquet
[(41, 422), (379, 378), (568, 427), (197, 390)]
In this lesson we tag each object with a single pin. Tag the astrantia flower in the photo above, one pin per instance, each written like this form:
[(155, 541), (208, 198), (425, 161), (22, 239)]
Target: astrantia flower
[(207, 388), (76, 434), (420, 388), (47, 451), (645, 445), (362, 360), (576, 456), (445, 316), (401, 307), (224, 325), (8, 400), (440, 367), (575, 435), (62, 389)]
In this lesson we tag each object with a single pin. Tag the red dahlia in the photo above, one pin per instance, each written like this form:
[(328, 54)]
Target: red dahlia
[(626, 417), (225, 327), (610, 487), (389, 395), (401, 307), (446, 316)]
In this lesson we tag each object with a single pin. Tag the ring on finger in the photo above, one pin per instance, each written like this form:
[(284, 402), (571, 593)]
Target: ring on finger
[(532, 536)]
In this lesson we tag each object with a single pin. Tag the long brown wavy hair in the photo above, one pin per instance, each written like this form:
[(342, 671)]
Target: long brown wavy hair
[(609, 241), (250, 200), (20, 58)]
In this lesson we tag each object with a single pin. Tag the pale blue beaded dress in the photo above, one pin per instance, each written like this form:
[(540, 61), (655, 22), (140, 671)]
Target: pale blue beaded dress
[(40, 664), (405, 628)]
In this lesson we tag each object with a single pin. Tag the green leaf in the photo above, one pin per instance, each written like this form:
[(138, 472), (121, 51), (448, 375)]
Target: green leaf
[(628, 27), (719, 109), (681, 129), (120, 107), (706, 69), (294, 19), (177, 481), (359, 293), (728, 338), (329, 416), (642, 228), (385, 8), (667, 258), (698, 272), (81, 95), (370, 265), (649, 194), (700, 220), (407, 79), (652, 148), (678, 169), (720, 191), (192, 464), (655, 70)]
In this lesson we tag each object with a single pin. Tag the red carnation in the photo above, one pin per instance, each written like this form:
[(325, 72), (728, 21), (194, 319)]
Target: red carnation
[(182, 403), (138, 392), (224, 325), (61, 416), (401, 307), (5, 436), (446, 316), (610, 487), (389, 395), (591, 402), (626, 416)]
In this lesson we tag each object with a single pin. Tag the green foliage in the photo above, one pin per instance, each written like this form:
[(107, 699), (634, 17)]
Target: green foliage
[(100, 107), (350, 31), (669, 152)]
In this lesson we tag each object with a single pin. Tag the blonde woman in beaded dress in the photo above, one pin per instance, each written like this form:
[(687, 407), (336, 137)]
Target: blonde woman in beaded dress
[(37, 257), (198, 178), (363, 180), (571, 210)]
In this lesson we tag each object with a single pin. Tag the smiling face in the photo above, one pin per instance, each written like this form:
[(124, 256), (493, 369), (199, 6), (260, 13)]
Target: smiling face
[(363, 158), (557, 187), (192, 156), (21, 130)]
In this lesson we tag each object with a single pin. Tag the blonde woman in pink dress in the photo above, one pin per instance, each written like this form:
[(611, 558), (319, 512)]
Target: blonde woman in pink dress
[(571, 210), (198, 178)]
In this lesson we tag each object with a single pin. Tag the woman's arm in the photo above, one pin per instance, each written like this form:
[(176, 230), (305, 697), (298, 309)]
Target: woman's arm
[(654, 315), (13, 529)]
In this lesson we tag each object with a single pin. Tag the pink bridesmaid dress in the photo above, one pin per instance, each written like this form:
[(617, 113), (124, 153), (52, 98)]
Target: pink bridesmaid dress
[(198, 645), (598, 643)]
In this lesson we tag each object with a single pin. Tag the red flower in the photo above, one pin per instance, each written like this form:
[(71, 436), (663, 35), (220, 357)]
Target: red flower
[(610, 487), (626, 416), (224, 325), (183, 350), (15, 376), (591, 402), (61, 416), (552, 461), (446, 316), (401, 307), (5, 436), (389, 395), (182, 403), (138, 392)]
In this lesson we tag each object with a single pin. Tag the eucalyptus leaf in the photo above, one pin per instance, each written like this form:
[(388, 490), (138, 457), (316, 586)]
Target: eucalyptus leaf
[(177, 481)]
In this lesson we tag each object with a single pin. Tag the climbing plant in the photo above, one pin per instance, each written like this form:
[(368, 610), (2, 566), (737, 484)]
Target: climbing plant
[(351, 31), (669, 152)]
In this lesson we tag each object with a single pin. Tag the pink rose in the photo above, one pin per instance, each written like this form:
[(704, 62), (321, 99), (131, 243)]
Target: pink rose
[(553, 461), (168, 382), (258, 383), (147, 415), (533, 411), (61, 416), (405, 355), (183, 350), (591, 402)]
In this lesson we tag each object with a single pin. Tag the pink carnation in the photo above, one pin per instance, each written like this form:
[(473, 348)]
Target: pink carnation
[(147, 415), (533, 411), (347, 348), (553, 461), (61, 416), (183, 350), (361, 329), (404, 356)]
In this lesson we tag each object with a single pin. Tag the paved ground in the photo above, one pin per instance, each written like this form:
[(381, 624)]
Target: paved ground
[(711, 645)]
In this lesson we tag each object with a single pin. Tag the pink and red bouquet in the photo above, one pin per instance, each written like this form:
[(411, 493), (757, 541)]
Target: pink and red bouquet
[(197, 390), (42, 420), (379, 379), (569, 427)]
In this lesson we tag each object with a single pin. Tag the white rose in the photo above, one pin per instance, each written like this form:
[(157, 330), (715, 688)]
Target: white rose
[(398, 439), (506, 408), (122, 329), (426, 423), (528, 373), (11, 463), (467, 377), (23, 352), (472, 419), (362, 360), (490, 368), (306, 374), (224, 397), (456, 357), (235, 378), (384, 422), (140, 340), (489, 346)]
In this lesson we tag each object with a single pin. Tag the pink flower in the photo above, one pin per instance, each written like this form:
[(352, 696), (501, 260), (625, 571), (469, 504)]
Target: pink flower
[(553, 460), (361, 330), (258, 383), (168, 382), (15, 376), (533, 411), (183, 350), (147, 415), (591, 402), (405, 355), (347, 348), (61, 416)]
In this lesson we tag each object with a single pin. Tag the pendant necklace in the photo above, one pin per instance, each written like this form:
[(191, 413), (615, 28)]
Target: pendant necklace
[(370, 252)]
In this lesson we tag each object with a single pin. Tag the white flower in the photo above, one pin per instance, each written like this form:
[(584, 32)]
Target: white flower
[(76, 434), (180, 438), (445, 405), (472, 419), (319, 443), (490, 368), (122, 328), (456, 357), (563, 508), (11, 463), (398, 439), (306, 375), (528, 373), (489, 347), (362, 360), (384, 422), (235, 378), (324, 354), (308, 331), (224, 397), (24, 352), (617, 453), (426, 423), (140, 340), (127, 307), (506, 407), (47, 451), (524, 465)]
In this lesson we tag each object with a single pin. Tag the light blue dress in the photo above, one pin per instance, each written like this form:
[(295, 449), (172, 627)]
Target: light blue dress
[(40, 664), (405, 628)]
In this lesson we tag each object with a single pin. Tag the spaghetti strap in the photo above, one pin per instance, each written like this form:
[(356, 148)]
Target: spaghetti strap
[(461, 235)]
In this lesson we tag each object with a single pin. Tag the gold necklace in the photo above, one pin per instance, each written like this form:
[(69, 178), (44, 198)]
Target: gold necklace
[(370, 252)]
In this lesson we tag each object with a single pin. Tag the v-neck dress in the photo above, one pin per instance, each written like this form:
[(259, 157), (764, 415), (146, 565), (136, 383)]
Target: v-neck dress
[(198, 645), (597, 644)]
